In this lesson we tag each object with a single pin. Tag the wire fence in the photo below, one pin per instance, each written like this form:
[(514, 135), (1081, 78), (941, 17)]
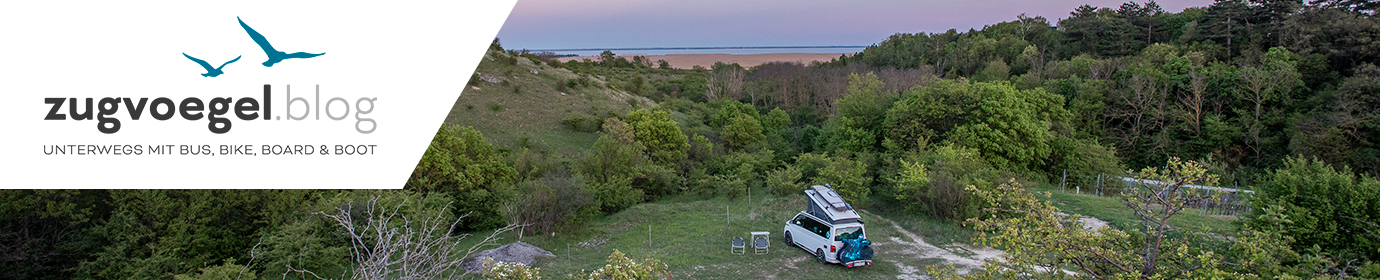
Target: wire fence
[(1223, 201)]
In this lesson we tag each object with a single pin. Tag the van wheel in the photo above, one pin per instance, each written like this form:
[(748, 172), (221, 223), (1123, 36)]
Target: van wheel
[(819, 255), (789, 242)]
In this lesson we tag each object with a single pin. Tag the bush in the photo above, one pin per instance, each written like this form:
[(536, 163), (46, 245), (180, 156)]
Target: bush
[(227, 271), (810, 164), (847, 178), (510, 271), (730, 186), (559, 201), (311, 242), (1333, 209), (666, 143), (620, 267), (462, 163), (784, 181), (742, 130), (582, 122)]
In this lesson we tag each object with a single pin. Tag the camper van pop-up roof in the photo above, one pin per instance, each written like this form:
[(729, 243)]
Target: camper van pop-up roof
[(829, 206)]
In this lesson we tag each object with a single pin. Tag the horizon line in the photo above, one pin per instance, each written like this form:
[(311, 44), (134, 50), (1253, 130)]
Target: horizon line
[(692, 48)]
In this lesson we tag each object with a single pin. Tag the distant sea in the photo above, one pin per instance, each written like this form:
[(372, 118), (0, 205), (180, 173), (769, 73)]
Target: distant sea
[(708, 50)]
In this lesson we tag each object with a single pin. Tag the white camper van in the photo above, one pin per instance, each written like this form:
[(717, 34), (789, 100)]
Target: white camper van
[(829, 229)]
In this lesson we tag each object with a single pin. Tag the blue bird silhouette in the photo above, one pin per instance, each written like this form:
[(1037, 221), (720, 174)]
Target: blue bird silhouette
[(274, 56), (211, 72)]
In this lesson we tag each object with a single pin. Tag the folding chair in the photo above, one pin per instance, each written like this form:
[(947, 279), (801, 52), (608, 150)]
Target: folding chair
[(739, 247), (760, 242)]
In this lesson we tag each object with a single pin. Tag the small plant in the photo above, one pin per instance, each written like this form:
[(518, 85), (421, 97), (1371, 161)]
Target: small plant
[(495, 107), (469, 106), (620, 267), (517, 89), (509, 271)]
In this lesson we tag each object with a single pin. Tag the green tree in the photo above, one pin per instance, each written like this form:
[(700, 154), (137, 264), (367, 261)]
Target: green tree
[(743, 130), (665, 143), (1042, 242), (1329, 207), (847, 178), (1009, 126), (776, 120), (611, 167), (859, 115), (994, 71), (784, 181), (912, 182), (461, 163)]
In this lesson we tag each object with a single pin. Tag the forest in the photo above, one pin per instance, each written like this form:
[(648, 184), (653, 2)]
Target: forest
[(1278, 98)]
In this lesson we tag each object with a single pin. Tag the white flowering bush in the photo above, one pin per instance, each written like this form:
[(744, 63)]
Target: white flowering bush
[(509, 271), (620, 267)]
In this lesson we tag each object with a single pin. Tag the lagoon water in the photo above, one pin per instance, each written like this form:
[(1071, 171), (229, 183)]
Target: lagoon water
[(708, 50)]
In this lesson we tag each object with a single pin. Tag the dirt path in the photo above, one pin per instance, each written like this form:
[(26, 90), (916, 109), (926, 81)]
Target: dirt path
[(963, 257)]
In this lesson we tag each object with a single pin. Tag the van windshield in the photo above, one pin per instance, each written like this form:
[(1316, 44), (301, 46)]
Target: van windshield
[(848, 233)]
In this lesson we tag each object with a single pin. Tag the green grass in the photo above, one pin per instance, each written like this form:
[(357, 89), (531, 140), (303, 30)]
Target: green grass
[(1111, 209), (526, 104), (690, 234)]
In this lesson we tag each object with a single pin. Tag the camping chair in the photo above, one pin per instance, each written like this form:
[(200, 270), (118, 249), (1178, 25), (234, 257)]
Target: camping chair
[(760, 242), (739, 247)]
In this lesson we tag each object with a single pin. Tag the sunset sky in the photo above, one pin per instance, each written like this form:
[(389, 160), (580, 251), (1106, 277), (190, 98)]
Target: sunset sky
[(553, 24)]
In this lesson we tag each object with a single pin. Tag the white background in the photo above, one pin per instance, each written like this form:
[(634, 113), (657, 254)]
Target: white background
[(415, 57)]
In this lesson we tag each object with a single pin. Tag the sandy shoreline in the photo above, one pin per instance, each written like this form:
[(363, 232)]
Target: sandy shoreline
[(687, 61)]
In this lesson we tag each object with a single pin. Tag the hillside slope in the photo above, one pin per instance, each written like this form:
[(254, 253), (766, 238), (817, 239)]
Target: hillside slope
[(519, 103)]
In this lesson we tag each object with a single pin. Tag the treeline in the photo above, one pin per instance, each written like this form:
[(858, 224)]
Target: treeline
[(1240, 83), (1247, 89), (1276, 96), (191, 234)]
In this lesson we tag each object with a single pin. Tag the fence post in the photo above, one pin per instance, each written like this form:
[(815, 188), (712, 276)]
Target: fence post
[(1065, 179), (1098, 186)]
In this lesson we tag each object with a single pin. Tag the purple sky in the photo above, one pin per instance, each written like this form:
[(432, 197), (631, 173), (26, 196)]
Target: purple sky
[(551, 24)]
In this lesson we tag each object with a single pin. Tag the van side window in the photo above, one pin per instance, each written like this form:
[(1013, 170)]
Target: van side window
[(814, 226)]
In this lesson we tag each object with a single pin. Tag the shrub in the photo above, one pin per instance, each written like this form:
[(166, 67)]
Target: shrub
[(613, 163), (462, 163), (912, 183), (582, 122), (559, 201), (620, 267), (227, 271), (749, 166), (730, 185), (510, 271), (1331, 208), (847, 178), (784, 181), (665, 142), (810, 164), (742, 130)]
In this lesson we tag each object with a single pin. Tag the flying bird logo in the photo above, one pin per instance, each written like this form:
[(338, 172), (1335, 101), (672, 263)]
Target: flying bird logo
[(274, 56), (211, 72)]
